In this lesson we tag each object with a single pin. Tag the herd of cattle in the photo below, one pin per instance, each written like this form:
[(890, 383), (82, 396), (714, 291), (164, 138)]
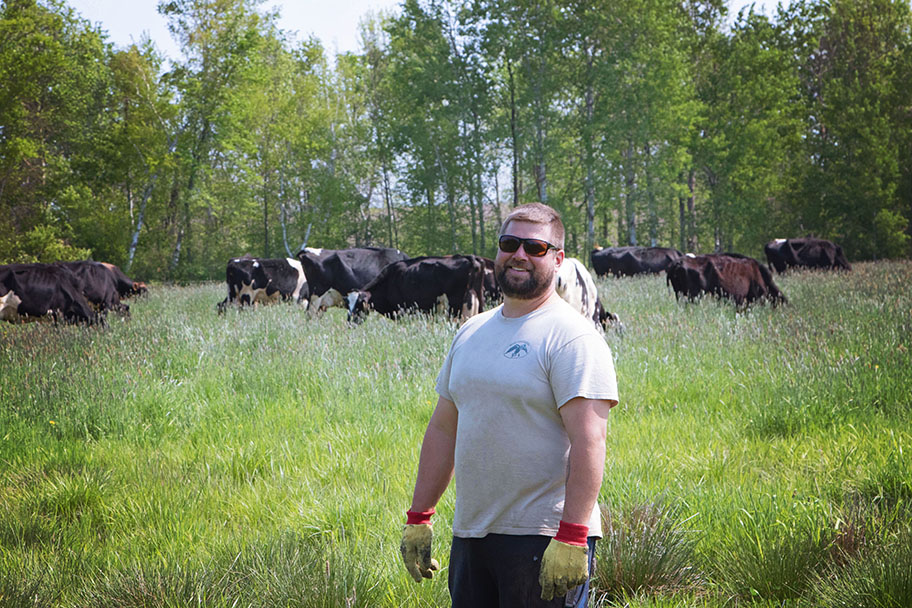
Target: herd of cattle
[(76, 292), (726, 275), (389, 282)]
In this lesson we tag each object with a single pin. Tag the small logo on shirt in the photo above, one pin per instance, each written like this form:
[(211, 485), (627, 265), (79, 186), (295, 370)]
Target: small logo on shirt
[(517, 350)]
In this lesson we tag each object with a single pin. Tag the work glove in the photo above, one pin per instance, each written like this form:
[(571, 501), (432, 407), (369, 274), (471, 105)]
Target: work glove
[(564, 565), (416, 545)]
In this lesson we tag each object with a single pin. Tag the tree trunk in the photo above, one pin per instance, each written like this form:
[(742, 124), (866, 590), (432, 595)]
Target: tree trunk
[(388, 197), (265, 210), (590, 160), (513, 136), (692, 244), (630, 195), (651, 199), (140, 218), (682, 222)]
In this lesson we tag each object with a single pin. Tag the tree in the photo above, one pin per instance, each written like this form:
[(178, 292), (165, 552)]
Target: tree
[(752, 134), (855, 84), (53, 66), (219, 38)]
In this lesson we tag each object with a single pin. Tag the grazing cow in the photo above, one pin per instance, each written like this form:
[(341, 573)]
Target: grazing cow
[(98, 286), (262, 280), (32, 291), (331, 273), (417, 283), (575, 285), (783, 254), (726, 275), (126, 287), (630, 261)]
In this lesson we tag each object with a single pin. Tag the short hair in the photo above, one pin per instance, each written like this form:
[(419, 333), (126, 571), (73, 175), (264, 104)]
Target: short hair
[(537, 213)]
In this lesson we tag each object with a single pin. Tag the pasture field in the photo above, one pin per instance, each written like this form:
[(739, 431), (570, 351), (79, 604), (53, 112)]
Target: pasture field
[(263, 458)]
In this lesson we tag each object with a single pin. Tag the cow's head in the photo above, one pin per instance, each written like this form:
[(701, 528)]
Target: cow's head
[(358, 306)]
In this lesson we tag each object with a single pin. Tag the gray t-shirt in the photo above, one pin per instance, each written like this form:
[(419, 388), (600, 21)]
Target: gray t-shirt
[(508, 377)]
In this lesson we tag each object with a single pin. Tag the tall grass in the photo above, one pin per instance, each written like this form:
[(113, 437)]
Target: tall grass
[(265, 457)]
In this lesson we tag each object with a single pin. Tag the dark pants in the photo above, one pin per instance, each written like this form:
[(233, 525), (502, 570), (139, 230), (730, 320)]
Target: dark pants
[(501, 571)]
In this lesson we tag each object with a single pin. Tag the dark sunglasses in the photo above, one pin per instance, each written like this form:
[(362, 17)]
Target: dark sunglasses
[(534, 247)]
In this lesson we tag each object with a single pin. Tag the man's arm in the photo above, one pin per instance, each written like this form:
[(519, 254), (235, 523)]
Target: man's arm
[(435, 466), (586, 423), (564, 563)]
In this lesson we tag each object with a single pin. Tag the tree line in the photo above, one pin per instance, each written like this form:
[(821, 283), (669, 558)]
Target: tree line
[(647, 122)]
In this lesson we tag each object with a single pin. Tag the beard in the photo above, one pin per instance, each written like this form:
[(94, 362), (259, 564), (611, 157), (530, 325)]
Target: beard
[(528, 288)]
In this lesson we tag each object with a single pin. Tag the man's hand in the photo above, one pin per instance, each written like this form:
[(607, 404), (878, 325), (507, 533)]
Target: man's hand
[(416, 551), (563, 567)]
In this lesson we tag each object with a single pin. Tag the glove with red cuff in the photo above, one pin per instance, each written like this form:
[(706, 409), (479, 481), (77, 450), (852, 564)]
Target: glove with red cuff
[(416, 545), (565, 563)]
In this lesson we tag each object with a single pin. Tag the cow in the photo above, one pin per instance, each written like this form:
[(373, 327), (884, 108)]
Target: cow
[(416, 284), (782, 254), (252, 281), (492, 291), (331, 273), (574, 284), (98, 286), (630, 261), (126, 287), (31, 292), (737, 277)]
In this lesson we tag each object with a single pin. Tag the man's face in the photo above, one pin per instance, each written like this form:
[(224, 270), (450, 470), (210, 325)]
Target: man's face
[(520, 275)]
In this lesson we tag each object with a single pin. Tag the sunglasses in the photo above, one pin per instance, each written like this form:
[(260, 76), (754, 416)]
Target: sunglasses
[(534, 247)]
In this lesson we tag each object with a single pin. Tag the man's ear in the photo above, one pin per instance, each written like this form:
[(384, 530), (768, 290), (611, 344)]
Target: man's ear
[(559, 258)]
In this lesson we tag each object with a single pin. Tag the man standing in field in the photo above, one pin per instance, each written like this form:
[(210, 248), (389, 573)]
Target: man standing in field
[(524, 395)]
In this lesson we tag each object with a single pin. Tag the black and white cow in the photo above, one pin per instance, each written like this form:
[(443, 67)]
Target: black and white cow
[(334, 272), (416, 285), (575, 284), (253, 281), (30, 292)]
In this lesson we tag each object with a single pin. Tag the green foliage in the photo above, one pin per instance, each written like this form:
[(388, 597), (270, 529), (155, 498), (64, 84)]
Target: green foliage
[(43, 243), (642, 122), (891, 234)]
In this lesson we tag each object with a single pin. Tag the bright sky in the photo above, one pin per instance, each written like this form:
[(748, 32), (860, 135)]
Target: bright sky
[(335, 22)]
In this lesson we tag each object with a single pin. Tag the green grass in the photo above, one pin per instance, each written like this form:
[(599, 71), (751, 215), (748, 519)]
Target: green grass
[(265, 458)]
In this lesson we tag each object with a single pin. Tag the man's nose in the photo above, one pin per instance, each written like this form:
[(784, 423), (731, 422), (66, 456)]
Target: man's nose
[(521, 253)]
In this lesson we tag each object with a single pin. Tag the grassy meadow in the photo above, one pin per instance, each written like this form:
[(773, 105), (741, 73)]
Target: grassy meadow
[(263, 458)]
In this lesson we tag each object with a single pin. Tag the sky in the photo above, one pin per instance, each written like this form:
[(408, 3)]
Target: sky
[(334, 22)]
